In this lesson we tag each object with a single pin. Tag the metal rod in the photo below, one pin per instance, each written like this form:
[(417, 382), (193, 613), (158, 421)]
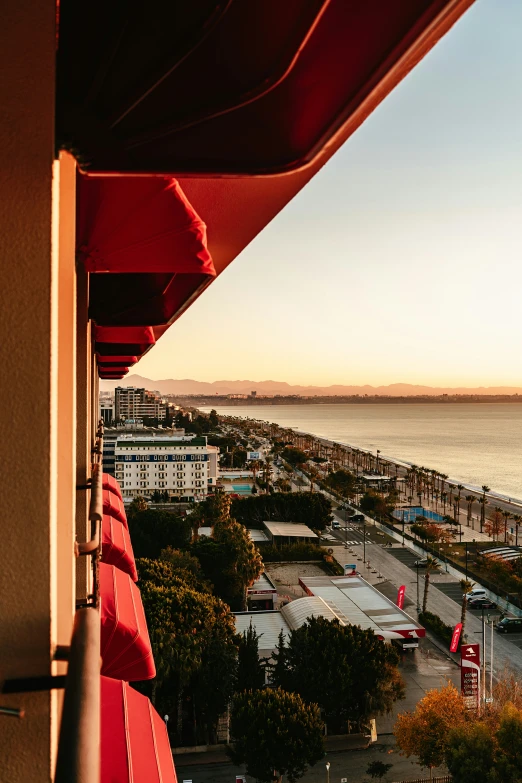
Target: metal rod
[(12, 712), (79, 741), (47, 682)]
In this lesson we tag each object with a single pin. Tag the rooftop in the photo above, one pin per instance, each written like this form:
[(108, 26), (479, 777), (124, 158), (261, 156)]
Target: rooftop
[(289, 529), (355, 602)]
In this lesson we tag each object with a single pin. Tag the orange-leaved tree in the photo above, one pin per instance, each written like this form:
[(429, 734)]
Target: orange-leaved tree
[(424, 732)]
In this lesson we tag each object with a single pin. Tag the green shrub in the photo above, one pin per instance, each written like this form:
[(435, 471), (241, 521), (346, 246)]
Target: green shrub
[(289, 552), (435, 624)]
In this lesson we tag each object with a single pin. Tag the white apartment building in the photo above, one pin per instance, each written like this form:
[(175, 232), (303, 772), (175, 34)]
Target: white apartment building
[(186, 467), (131, 402)]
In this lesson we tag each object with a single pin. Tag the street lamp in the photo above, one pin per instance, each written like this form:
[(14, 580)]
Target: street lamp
[(327, 772)]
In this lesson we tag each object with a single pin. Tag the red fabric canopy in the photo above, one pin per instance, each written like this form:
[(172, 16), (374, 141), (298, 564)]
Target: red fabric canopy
[(125, 645), (135, 746), (110, 483), (234, 87), (145, 248), (113, 361), (117, 547), (113, 505)]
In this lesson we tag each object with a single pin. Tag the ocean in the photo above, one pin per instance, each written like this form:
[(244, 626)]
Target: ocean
[(473, 444)]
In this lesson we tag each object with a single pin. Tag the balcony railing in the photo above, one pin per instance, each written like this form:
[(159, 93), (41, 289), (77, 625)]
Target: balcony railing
[(78, 747)]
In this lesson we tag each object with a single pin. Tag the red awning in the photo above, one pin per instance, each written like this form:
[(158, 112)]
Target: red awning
[(145, 247), (110, 483), (135, 746), (114, 361), (113, 505), (119, 340), (117, 547), (125, 645), (237, 87)]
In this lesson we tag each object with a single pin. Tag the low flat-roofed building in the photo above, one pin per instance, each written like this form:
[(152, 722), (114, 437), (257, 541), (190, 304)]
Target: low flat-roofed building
[(258, 536), (268, 625), (262, 594), (289, 532), (355, 602)]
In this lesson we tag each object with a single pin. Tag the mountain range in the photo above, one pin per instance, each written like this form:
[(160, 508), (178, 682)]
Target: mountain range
[(187, 386)]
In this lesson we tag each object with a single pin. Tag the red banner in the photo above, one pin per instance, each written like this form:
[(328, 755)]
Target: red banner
[(454, 646), (470, 674), (400, 596)]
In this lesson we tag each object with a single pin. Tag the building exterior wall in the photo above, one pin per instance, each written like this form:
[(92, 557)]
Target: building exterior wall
[(183, 467), (37, 323), (131, 403)]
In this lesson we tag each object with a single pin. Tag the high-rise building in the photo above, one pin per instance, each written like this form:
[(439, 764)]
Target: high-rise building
[(131, 402), (185, 467)]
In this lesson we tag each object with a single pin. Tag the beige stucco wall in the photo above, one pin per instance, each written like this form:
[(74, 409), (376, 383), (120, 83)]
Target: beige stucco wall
[(37, 379)]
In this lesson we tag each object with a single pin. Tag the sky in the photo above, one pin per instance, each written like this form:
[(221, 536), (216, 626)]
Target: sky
[(400, 260)]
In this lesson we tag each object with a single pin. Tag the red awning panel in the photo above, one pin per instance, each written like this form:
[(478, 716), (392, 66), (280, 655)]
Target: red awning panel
[(110, 483), (231, 87), (135, 746), (113, 505), (116, 361), (117, 547), (125, 645), (145, 247)]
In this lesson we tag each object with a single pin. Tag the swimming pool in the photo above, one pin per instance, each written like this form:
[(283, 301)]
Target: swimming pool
[(410, 514)]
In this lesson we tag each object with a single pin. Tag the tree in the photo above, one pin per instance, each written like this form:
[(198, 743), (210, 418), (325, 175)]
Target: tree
[(294, 456), (250, 670), (378, 769), (493, 525), (469, 500), (153, 530), (244, 561), (431, 565), (138, 504), (274, 734), (372, 503), (193, 639), (467, 587), (312, 510), (343, 482), (483, 503), (213, 419), (469, 753), (424, 732), (359, 680)]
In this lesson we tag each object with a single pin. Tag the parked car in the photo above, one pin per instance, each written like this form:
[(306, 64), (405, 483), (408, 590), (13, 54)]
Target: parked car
[(422, 563), (480, 603), (477, 592), (356, 518), (510, 625)]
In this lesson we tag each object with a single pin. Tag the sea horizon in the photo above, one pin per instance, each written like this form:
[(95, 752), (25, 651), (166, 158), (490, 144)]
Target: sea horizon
[(472, 444)]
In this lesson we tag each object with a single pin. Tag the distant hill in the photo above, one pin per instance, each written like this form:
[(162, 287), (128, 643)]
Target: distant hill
[(186, 386)]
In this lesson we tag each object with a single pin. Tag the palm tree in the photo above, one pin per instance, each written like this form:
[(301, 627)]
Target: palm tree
[(254, 467), (431, 565), (467, 587), (444, 497), (460, 487), (485, 489), (436, 495), (517, 519), (506, 515), (483, 503), (469, 500)]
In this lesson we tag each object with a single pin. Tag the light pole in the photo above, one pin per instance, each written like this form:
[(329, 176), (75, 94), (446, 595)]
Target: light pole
[(364, 540), (327, 772)]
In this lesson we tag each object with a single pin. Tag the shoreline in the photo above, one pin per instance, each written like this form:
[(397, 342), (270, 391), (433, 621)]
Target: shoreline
[(510, 501)]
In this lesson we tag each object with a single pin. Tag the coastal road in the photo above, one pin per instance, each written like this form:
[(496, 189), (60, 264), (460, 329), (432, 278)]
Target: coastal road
[(393, 564)]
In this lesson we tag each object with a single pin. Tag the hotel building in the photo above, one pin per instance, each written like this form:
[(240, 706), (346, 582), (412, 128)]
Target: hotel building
[(184, 467), (103, 104)]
